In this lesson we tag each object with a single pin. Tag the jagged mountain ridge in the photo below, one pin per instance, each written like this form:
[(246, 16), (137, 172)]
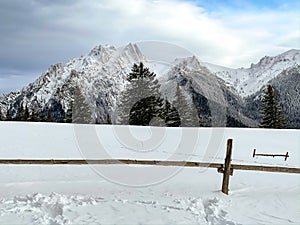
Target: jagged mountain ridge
[(287, 87), (100, 75), (247, 81)]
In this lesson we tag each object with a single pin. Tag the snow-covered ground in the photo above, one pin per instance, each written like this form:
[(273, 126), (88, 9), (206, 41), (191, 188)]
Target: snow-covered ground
[(123, 194)]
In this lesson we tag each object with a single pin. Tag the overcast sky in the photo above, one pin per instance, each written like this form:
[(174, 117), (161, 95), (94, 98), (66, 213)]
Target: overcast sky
[(234, 33)]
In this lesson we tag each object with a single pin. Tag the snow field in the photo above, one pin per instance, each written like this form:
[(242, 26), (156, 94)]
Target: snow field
[(57, 194)]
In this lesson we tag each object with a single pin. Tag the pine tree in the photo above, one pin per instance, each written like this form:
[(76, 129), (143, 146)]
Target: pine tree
[(145, 110), (139, 72), (280, 119), (140, 101), (188, 114), (272, 116), (20, 113), (81, 112), (172, 117)]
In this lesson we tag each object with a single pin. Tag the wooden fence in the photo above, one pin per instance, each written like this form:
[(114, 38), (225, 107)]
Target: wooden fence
[(227, 168), (286, 155)]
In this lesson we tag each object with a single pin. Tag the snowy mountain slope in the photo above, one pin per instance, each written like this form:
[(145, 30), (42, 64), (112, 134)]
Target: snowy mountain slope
[(99, 76), (287, 87), (204, 90), (247, 81), (80, 195), (219, 105)]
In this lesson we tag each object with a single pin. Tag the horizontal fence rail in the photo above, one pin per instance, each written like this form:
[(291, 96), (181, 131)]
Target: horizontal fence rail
[(146, 162), (108, 162), (266, 168), (227, 168)]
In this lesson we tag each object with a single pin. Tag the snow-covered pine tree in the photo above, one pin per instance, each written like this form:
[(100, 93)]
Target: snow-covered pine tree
[(280, 118), (140, 100), (81, 112), (139, 72), (188, 114), (172, 117), (272, 116), (125, 103)]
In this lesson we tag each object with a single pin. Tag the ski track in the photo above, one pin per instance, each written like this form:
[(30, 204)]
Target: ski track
[(58, 209)]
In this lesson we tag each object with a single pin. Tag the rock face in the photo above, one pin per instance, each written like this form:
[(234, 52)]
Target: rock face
[(221, 96), (287, 86), (247, 81)]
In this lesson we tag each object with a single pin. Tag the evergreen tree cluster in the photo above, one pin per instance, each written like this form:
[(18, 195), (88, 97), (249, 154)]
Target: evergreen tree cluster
[(145, 110), (141, 103), (233, 122), (23, 114), (272, 116), (77, 112), (139, 72)]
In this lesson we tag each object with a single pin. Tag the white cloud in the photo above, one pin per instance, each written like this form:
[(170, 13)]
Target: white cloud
[(230, 39), (54, 31), (264, 32)]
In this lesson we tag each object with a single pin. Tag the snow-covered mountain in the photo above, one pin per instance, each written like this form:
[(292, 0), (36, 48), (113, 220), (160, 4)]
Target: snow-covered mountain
[(247, 81), (99, 75), (287, 86), (217, 92)]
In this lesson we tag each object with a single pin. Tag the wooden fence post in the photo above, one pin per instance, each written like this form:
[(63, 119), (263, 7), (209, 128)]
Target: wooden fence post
[(227, 167)]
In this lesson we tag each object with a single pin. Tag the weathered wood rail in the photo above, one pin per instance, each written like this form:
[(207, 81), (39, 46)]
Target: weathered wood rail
[(145, 162), (226, 168)]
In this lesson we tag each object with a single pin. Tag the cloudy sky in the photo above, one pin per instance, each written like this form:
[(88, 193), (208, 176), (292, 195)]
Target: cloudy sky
[(233, 33)]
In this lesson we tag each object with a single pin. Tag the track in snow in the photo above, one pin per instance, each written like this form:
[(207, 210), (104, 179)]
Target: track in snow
[(70, 209)]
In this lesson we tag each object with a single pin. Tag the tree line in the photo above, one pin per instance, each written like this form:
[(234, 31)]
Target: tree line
[(23, 114), (141, 103)]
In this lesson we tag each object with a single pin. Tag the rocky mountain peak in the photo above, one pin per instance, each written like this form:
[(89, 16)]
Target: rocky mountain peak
[(100, 76)]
